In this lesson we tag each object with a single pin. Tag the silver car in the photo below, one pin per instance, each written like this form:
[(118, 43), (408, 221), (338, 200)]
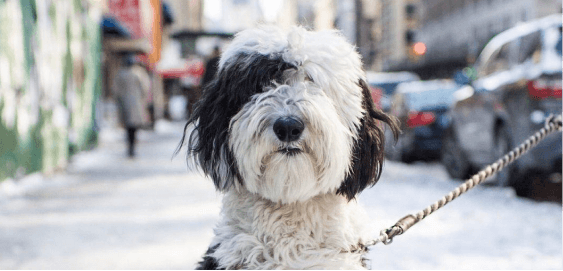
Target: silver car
[(518, 85)]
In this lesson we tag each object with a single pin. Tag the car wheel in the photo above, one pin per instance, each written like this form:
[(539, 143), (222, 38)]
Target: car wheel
[(502, 145), (407, 157), (452, 156), (536, 184)]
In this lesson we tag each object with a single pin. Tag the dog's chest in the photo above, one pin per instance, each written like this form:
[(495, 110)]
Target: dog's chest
[(325, 232)]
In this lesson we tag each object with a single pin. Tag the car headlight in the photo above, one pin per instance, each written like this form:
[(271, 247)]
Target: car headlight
[(537, 117)]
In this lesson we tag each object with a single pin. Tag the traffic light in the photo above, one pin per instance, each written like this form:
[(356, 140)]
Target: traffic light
[(419, 48), (410, 11), (409, 37), (413, 48)]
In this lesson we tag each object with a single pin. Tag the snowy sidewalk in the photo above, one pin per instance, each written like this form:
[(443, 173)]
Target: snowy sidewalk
[(110, 212)]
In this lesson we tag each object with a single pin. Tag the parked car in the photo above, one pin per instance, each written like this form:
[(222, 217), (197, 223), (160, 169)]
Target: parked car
[(421, 107), (383, 85), (518, 85)]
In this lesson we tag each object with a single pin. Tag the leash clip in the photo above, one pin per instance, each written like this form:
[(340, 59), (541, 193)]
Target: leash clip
[(386, 239), (399, 228)]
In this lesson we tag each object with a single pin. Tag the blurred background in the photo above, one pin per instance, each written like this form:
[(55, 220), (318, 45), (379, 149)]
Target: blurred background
[(83, 185)]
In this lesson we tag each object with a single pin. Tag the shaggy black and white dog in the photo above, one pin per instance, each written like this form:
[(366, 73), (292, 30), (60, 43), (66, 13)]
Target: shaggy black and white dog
[(288, 132)]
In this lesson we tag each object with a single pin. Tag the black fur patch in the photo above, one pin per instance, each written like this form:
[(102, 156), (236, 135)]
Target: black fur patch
[(233, 86), (208, 262), (367, 158)]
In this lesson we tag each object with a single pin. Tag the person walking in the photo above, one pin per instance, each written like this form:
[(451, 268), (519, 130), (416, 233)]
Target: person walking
[(130, 92)]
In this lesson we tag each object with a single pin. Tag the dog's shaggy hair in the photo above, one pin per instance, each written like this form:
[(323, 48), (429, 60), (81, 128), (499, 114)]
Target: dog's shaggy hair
[(288, 132)]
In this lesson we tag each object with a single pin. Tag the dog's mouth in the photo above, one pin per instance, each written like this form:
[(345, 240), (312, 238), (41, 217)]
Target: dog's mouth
[(290, 151)]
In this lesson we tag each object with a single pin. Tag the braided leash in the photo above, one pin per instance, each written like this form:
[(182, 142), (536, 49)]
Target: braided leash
[(552, 124)]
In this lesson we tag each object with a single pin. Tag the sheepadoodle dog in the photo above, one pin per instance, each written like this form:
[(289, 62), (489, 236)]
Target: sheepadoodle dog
[(289, 134)]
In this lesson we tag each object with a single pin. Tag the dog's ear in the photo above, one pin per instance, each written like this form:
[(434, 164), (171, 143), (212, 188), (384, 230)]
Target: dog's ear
[(233, 86), (206, 133), (367, 153)]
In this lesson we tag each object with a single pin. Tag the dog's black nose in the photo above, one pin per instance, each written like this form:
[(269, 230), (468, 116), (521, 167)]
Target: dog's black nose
[(288, 129)]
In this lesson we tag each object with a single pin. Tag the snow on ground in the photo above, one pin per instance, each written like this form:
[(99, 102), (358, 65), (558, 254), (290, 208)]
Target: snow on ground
[(110, 212), (486, 228)]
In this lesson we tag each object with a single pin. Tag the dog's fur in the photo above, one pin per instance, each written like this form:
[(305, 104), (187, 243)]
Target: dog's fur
[(288, 204)]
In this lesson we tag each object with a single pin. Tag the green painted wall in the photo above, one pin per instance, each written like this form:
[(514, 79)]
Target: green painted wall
[(50, 57)]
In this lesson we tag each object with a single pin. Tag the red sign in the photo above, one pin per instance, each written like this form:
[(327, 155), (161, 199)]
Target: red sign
[(128, 12)]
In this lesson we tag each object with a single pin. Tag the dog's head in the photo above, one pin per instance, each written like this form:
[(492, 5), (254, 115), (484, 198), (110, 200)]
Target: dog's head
[(288, 116)]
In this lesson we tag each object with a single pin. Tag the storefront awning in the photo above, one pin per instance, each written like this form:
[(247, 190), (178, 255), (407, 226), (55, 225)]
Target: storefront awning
[(111, 27), (167, 16)]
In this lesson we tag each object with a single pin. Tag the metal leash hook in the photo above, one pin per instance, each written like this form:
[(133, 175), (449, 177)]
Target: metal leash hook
[(552, 124), (386, 235)]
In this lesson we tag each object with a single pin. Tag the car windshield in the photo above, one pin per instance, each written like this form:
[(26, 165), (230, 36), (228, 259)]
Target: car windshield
[(430, 99)]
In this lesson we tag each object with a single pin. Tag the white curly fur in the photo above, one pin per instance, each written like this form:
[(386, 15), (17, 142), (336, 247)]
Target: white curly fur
[(321, 233), (286, 213)]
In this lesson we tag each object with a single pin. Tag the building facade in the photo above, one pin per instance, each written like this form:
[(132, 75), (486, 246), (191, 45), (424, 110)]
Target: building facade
[(356, 19), (455, 31), (188, 15), (50, 55), (396, 26)]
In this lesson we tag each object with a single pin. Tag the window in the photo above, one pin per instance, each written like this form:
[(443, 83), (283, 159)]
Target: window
[(499, 61)]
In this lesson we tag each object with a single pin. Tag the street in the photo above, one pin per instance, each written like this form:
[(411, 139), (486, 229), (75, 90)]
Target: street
[(150, 212)]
